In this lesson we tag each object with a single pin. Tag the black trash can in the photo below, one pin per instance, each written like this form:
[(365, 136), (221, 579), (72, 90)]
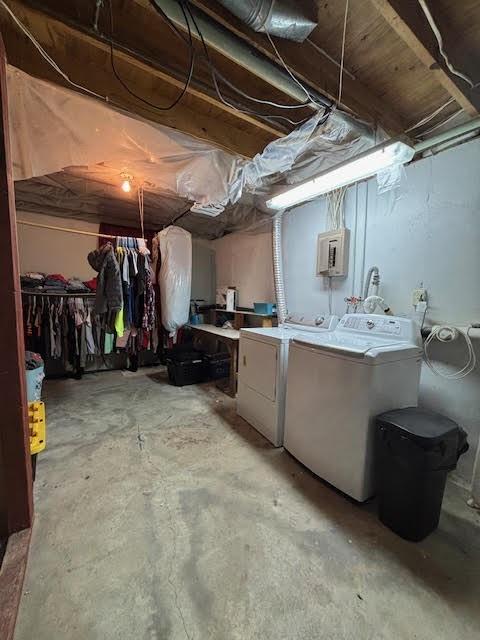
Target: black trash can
[(415, 449)]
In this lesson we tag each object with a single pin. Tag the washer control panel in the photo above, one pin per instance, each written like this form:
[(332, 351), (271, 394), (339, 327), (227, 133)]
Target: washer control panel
[(299, 321), (381, 326)]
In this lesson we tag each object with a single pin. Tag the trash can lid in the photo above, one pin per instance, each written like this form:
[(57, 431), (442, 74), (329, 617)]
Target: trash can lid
[(425, 427)]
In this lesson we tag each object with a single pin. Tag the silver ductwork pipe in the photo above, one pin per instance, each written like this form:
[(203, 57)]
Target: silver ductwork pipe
[(281, 18), (278, 268), (234, 48)]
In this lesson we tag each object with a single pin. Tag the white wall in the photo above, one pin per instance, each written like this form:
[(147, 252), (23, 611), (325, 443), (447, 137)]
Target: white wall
[(49, 251), (428, 231), (244, 261), (203, 271)]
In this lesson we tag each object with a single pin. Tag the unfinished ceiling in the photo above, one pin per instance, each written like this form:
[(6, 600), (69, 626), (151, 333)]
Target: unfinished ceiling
[(394, 74)]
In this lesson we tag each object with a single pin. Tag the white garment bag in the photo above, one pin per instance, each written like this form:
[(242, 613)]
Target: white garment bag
[(175, 277)]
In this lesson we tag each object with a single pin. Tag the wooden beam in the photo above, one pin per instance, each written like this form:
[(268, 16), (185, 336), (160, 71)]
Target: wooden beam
[(407, 23), (12, 574), (15, 462), (159, 45), (86, 59), (315, 70)]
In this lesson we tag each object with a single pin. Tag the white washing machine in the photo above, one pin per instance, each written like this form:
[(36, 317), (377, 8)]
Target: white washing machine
[(262, 371), (337, 383)]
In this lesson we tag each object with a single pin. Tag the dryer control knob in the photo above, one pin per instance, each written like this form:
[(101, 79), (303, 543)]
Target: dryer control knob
[(370, 324), (320, 320)]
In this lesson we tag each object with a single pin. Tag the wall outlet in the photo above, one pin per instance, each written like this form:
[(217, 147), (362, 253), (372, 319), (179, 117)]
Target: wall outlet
[(419, 295)]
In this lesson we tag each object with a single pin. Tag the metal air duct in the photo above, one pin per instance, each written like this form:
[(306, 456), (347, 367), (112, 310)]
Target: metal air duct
[(290, 20)]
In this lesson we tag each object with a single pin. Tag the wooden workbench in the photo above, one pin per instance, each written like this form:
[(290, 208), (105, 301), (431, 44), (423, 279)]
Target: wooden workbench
[(230, 338)]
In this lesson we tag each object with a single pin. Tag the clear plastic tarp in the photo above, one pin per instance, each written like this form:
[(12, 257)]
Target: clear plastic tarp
[(70, 150)]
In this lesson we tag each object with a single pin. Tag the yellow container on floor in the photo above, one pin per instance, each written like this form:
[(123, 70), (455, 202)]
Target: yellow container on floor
[(37, 426)]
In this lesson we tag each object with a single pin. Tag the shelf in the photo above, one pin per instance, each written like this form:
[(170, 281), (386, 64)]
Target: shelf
[(67, 294), (248, 313), (232, 334)]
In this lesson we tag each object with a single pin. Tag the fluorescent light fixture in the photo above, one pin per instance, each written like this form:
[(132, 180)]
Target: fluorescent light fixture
[(362, 166)]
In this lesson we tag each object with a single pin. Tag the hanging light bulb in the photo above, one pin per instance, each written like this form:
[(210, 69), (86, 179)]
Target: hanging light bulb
[(126, 182)]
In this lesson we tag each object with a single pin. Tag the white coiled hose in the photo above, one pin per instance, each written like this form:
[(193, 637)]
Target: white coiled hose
[(445, 333), (278, 268)]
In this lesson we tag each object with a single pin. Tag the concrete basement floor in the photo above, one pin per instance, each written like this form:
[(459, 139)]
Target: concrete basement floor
[(161, 515)]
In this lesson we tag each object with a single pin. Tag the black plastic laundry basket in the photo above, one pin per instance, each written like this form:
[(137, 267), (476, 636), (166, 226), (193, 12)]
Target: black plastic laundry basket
[(217, 365), (185, 367)]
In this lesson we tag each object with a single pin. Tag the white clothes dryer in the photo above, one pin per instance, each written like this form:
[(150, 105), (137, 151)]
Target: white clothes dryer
[(262, 370)]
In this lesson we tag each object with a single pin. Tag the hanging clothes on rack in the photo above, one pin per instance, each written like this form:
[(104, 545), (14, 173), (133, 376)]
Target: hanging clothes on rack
[(125, 298), (61, 328), (64, 322), (109, 298)]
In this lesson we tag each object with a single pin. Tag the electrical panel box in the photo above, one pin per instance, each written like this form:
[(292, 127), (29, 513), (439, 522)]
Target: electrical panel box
[(332, 253)]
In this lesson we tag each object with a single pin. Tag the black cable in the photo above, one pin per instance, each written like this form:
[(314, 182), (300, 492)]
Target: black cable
[(214, 73), (135, 95), (184, 213), (170, 22), (214, 70), (217, 73)]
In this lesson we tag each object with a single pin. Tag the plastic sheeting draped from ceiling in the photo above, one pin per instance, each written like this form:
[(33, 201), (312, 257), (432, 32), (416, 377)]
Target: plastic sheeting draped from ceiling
[(175, 276), (54, 128)]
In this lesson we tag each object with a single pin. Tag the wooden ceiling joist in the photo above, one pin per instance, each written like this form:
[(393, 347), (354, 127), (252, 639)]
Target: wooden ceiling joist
[(397, 74), (409, 23), (86, 60), (319, 72)]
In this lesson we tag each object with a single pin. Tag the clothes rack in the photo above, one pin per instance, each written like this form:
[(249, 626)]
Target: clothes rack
[(54, 228), (67, 294)]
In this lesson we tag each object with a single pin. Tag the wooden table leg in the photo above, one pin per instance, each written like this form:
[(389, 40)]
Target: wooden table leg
[(233, 368), (231, 389)]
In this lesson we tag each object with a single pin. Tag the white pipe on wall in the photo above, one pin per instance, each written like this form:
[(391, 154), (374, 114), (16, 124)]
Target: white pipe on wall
[(371, 282), (278, 268)]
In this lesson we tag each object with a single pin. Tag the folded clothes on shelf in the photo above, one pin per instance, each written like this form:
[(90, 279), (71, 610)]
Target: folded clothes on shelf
[(32, 280), (55, 283), (75, 285), (57, 277), (91, 284)]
